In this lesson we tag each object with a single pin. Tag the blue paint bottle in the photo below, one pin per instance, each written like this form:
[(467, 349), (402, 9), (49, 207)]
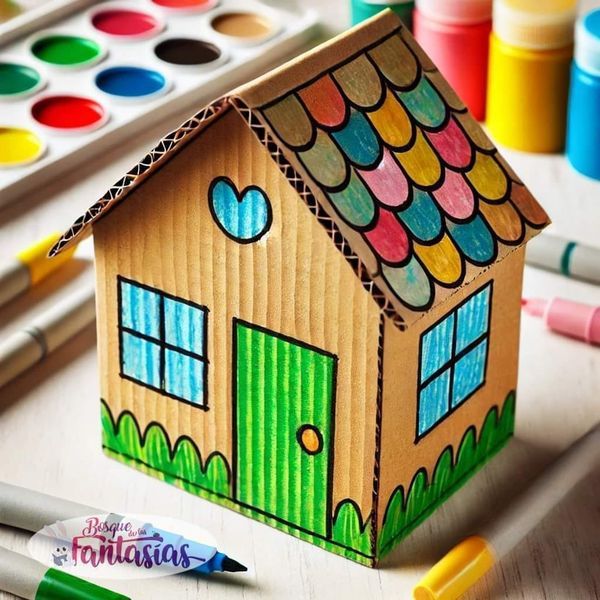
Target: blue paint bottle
[(583, 125), (365, 9)]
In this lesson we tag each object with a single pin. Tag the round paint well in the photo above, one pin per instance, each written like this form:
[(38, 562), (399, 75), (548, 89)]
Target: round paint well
[(186, 5), (18, 80), (66, 51), (124, 23), (69, 114), (19, 147), (188, 52), (244, 27), (131, 83)]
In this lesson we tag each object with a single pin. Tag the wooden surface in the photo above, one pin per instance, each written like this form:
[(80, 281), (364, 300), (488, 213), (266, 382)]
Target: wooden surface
[(50, 427)]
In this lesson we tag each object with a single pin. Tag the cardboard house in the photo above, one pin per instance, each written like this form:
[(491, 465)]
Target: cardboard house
[(308, 296)]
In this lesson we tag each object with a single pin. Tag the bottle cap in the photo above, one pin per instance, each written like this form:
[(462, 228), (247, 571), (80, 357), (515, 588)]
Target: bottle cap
[(587, 42), (533, 24), (458, 12)]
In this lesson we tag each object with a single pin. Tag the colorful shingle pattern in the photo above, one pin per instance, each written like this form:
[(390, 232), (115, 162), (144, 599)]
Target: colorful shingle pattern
[(403, 164)]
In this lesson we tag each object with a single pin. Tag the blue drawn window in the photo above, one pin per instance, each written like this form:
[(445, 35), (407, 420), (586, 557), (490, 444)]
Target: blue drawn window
[(163, 342), (453, 359)]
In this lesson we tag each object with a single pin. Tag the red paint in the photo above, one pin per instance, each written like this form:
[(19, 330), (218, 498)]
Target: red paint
[(124, 22), (205, 4), (388, 238), (67, 112), (324, 102), (455, 196), (452, 145), (387, 181)]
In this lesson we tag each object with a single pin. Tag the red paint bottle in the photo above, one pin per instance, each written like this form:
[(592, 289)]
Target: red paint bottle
[(455, 34)]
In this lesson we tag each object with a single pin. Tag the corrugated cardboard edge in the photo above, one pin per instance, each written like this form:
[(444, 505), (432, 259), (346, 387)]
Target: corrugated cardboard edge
[(161, 154)]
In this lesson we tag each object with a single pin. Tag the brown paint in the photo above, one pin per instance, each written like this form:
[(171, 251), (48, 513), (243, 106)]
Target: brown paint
[(187, 51), (242, 25)]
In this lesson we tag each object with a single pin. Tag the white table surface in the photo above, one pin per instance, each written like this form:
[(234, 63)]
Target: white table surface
[(50, 426)]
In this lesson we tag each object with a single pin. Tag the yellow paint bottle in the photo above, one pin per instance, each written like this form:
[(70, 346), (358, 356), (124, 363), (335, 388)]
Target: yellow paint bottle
[(531, 49)]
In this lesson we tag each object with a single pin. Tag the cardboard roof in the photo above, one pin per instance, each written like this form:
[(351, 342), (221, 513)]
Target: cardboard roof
[(390, 153)]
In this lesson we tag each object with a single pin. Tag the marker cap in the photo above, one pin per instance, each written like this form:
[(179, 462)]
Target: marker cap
[(454, 574), (35, 258), (456, 12), (587, 42), (533, 24)]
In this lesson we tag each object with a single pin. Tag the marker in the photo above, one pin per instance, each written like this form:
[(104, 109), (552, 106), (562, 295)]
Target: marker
[(27, 578), (467, 562), (32, 511), (46, 333), (573, 319), (30, 266), (572, 259)]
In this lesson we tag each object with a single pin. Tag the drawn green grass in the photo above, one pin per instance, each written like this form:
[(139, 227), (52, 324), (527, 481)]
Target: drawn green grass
[(424, 497)]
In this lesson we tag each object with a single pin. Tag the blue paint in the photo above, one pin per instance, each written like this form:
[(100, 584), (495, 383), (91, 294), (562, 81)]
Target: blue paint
[(358, 140), (469, 373), (184, 326), (424, 103), (422, 216), (141, 359), (244, 217), (184, 376), (456, 348), (410, 283), (433, 402), (472, 319), (130, 82), (140, 309), (474, 239), (436, 347)]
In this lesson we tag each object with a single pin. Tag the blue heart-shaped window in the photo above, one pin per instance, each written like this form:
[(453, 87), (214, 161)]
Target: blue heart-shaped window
[(243, 216)]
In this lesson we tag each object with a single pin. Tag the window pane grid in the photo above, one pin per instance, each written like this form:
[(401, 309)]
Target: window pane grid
[(453, 360), (163, 344)]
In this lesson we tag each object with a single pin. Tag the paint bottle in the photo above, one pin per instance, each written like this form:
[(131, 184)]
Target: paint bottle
[(583, 126), (530, 55), (365, 9), (455, 34)]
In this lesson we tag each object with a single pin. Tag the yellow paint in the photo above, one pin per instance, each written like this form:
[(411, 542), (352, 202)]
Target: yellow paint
[(310, 440), (420, 162), (442, 260), (547, 7), (35, 257), (527, 96), (18, 146), (487, 177), (454, 574), (392, 122)]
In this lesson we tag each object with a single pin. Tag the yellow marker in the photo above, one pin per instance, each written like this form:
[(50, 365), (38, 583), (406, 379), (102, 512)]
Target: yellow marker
[(467, 562), (29, 267), (531, 48)]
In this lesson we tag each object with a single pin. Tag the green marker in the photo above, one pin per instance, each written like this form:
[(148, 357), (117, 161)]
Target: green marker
[(27, 578)]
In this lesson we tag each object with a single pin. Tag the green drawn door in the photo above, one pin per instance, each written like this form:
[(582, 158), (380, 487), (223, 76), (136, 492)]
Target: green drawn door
[(284, 419)]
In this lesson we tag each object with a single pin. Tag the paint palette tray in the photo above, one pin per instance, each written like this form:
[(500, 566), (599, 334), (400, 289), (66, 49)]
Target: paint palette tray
[(77, 86)]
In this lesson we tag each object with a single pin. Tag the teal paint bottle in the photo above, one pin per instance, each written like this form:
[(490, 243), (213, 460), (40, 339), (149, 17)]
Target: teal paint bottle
[(365, 9), (583, 120)]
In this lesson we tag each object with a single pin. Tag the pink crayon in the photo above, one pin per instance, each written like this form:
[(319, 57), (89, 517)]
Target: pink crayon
[(574, 319)]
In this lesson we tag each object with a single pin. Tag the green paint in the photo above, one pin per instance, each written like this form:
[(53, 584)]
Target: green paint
[(17, 79), (183, 461), (349, 530), (57, 585), (424, 497), (122, 441), (354, 202), (282, 385), (66, 50)]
